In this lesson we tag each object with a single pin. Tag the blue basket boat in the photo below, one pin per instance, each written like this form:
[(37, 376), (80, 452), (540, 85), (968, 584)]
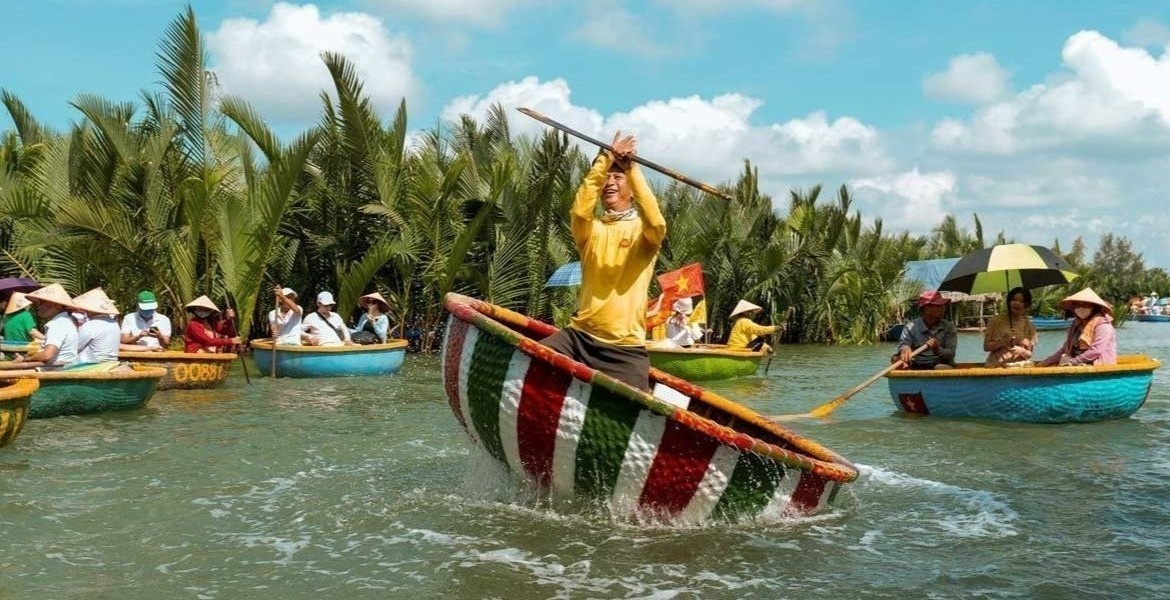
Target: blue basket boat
[(330, 361), (1152, 318), (1027, 394), (1050, 323)]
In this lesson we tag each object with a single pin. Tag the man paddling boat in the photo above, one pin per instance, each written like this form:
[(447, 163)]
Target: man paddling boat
[(618, 251)]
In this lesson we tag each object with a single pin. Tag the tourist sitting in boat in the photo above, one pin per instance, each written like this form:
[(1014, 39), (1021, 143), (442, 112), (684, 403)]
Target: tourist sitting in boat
[(930, 330), (323, 327), (285, 321), (207, 331), (618, 252), (1092, 339), (680, 331), (99, 337), (146, 329), (19, 325), (59, 348), (746, 333), (374, 325), (1010, 337)]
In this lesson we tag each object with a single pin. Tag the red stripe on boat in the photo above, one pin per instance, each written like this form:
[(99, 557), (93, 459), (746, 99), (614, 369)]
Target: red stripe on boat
[(913, 403), (541, 401), (679, 467), (456, 335), (807, 495)]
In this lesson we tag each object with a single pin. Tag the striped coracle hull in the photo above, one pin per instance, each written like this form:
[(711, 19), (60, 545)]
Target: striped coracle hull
[(14, 403), (1027, 394), (581, 434)]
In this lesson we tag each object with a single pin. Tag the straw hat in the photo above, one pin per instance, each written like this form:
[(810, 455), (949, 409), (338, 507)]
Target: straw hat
[(745, 306), (96, 301), (17, 302), (1087, 296), (364, 301), (54, 293), (202, 302)]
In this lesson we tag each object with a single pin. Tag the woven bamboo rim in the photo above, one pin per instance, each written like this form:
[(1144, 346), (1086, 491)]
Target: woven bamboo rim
[(707, 350), (175, 356), (139, 372), (1126, 363), (817, 459), (18, 388), (266, 344)]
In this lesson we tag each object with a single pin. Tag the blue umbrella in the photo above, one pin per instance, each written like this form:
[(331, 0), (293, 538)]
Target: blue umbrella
[(18, 284), (565, 275)]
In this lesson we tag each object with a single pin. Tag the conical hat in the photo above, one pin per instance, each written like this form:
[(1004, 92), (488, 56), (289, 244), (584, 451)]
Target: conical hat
[(374, 297), (1089, 296), (745, 306), (202, 302), (54, 293), (96, 301), (17, 302)]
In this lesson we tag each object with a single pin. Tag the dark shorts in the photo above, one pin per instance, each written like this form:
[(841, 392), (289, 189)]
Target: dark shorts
[(628, 364)]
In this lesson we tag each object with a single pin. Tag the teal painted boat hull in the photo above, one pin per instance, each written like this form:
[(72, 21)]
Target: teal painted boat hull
[(83, 395), (1050, 324), (1153, 318), (1031, 395), (347, 361)]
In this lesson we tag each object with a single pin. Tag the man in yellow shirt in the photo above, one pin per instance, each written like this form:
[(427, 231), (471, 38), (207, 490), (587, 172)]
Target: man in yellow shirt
[(618, 251), (745, 330)]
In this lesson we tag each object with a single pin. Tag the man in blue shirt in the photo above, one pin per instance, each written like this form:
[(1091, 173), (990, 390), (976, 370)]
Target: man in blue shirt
[(930, 330)]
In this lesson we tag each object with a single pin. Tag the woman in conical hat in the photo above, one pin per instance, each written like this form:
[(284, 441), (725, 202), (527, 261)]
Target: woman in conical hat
[(60, 345), (744, 331), (19, 325), (206, 331), (1092, 339), (375, 322), (99, 336)]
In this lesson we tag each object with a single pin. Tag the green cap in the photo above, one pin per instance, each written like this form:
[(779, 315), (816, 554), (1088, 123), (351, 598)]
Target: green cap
[(146, 300)]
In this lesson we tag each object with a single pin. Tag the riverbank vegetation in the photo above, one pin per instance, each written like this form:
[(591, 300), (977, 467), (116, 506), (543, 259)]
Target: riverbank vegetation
[(187, 193)]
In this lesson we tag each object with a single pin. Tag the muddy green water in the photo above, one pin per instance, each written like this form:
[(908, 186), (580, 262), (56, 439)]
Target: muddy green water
[(367, 488)]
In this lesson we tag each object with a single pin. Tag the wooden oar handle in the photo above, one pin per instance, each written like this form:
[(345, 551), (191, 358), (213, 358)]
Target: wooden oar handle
[(4, 366), (648, 164)]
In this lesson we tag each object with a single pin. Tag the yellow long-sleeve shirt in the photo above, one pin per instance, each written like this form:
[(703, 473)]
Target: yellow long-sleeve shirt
[(744, 331), (617, 259)]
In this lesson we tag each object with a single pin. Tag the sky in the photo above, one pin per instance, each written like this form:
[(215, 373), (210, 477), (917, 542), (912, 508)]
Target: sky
[(1048, 119)]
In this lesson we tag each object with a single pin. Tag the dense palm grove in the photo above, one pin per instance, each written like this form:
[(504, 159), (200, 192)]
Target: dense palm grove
[(188, 193)]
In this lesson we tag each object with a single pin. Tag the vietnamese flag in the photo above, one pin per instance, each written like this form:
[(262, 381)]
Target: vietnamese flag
[(682, 283)]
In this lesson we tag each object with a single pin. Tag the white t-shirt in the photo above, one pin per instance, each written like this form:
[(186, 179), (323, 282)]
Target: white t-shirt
[(325, 335), (62, 333), (133, 323), (98, 340), (288, 324)]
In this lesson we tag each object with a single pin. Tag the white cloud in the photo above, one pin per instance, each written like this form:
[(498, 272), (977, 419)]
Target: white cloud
[(1107, 94), (479, 13), (917, 200), (969, 78), (703, 138), (608, 24), (1147, 32), (276, 63)]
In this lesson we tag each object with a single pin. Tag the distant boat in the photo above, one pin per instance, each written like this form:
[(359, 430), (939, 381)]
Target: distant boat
[(186, 370), (705, 362), (1152, 318), (88, 389), (14, 401), (1050, 323), (1027, 394), (330, 361)]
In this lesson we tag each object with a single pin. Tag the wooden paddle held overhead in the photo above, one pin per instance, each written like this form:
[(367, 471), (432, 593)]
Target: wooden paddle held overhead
[(827, 408), (710, 189)]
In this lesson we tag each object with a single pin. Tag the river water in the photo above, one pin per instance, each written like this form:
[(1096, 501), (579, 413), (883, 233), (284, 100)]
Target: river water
[(368, 488)]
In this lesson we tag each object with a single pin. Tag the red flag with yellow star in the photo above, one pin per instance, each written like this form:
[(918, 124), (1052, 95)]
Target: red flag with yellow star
[(682, 283)]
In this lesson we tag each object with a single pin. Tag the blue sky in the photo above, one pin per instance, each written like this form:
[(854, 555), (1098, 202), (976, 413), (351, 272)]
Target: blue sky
[(1048, 119)]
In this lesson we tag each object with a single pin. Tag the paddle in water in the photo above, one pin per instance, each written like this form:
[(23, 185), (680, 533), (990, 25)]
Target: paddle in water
[(243, 364), (776, 337), (827, 408)]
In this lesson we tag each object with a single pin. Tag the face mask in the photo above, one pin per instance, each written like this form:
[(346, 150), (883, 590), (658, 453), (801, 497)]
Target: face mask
[(146, 314), (1083, 312), (202, 313)]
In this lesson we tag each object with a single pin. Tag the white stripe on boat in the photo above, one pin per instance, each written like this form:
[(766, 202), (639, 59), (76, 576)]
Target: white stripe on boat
[(711, 488), (670, 395), (643, 445), (464, 368), (564, 467), (510, 409)]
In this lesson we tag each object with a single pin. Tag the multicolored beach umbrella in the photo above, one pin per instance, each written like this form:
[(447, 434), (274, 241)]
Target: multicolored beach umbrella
[(1006, 266)]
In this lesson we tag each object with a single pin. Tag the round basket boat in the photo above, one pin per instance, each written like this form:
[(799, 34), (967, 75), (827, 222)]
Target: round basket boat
[(1152, 318), (186, 370), (86, 390), (681, 454), (330, 361), (705, 362), (14, 402), (1027, 394)]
